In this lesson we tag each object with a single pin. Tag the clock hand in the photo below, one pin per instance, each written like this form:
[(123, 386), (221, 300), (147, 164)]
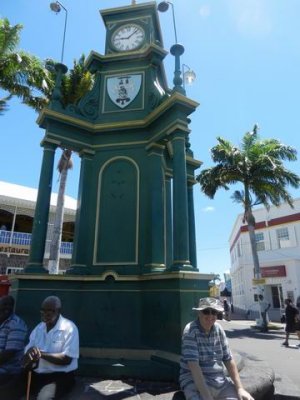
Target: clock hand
[(127, 37), (132, 33)]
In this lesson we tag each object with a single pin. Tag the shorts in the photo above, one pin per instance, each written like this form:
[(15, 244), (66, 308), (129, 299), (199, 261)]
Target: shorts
[(290, 327), (226, 392)]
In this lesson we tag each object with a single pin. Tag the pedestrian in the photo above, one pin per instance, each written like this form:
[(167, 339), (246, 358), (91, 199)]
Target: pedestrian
[(13, 336), (226, 310), (264, 307), (205, 352), (52, 353), (291, 314)]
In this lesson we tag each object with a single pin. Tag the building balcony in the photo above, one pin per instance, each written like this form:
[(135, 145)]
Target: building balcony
[(19, 243)]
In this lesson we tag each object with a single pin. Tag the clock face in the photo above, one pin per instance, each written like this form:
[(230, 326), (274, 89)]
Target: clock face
[(128, 37)]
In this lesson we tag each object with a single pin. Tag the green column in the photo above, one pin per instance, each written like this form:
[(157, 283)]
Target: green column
[(157, 210), (169, 229), (192, 228), (81, 237), (181, 259), (40, 222)]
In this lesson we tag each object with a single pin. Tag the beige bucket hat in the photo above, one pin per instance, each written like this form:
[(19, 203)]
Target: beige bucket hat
[(209, 302)]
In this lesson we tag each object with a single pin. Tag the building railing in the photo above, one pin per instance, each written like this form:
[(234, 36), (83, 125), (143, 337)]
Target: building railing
[(9, 242)]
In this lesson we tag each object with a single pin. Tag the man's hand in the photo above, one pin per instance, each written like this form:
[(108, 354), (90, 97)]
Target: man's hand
[(244, 395), (31, 357), (33, 353)]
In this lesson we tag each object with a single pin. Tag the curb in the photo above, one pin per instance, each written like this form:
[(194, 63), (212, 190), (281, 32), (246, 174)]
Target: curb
[(285, 389)]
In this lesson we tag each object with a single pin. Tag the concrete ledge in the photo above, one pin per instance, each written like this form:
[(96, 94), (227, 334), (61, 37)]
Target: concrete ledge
[(258, 379), (285, 389)]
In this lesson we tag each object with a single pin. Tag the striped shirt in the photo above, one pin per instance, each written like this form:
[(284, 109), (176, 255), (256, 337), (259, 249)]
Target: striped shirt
[(209, 350), (13, 335)]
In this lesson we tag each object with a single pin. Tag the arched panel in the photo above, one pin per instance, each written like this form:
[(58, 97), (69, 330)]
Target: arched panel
[(117, 213)]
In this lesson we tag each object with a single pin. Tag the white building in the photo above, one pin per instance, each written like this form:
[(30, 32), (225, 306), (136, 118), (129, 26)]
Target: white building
[(17, 206), (278, 244)]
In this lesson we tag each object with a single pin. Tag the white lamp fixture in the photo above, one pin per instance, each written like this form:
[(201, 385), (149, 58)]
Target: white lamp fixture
[(188, 75)]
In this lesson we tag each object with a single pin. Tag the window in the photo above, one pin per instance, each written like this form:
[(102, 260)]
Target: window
[(260, 244), (283, 237)]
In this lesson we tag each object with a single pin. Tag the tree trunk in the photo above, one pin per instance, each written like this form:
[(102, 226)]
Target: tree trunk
[(251, 229), (63, 166), (257, 273)]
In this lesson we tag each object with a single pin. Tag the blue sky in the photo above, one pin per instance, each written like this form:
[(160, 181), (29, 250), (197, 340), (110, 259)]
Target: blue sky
[(246, 55)]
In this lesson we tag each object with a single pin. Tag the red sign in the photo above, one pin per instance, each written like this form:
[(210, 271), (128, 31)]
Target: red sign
[(273, 272)]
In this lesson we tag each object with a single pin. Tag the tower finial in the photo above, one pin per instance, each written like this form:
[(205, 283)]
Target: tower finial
[(133, 2)]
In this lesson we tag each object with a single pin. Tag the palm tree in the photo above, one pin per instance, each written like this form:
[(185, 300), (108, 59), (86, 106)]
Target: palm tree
[(3, 104), (65, 163), (74, 85), (21, 74), (258, 166), (26, 77)]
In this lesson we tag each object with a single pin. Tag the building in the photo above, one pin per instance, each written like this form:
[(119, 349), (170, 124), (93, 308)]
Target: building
[(17, 206), (278, 244)]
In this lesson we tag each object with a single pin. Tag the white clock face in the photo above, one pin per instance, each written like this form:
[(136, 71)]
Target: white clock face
[(128, 37)]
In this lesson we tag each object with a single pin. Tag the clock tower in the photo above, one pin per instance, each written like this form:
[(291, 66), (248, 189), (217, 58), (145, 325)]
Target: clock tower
[(133, 278)]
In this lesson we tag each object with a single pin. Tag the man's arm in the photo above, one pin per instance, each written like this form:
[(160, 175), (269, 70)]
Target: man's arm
[(199, 380), (235, 376), (56, 358), (35, 354), (14, 340)]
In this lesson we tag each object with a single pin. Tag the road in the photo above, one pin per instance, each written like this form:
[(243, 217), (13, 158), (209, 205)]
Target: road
[(265, 346)]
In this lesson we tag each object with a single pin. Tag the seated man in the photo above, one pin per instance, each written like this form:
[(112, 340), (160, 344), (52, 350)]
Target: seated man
[(13, 335), (204, 351), (52, 352)]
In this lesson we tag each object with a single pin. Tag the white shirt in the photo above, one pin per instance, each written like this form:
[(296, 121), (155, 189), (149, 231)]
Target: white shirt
[(263, 305), (62, 338)]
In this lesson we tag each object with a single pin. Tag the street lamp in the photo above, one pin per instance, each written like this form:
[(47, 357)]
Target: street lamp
[(164, 6), (176, 50), (188, 76), (56, 7)]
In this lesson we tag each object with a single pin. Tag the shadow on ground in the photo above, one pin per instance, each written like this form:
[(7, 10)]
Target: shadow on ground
[(254, 333)]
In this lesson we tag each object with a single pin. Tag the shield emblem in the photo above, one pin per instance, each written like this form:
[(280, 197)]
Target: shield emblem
[(122, 90)]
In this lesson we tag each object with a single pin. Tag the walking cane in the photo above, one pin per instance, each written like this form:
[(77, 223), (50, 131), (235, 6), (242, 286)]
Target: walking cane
[(28, 385)]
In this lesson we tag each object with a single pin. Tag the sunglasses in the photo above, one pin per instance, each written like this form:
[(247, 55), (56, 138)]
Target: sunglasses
[(210, 311)]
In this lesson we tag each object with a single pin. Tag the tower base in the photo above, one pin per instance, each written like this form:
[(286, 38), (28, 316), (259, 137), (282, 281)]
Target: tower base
[(130, 326)]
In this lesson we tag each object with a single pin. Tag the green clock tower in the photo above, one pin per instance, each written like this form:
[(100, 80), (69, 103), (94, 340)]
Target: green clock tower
[(133, 278)]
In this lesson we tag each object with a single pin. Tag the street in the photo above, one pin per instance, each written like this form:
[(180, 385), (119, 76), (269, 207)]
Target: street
[(265, 346)]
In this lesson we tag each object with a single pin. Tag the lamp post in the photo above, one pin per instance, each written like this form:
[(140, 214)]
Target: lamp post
[(164, 6), (56, 7), (176, 50), (188, 75)]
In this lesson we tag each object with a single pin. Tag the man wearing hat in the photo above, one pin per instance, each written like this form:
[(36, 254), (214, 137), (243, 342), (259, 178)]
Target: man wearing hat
[(205, 351)]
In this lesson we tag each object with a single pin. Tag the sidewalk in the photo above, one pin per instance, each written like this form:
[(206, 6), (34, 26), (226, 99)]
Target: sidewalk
[(97, 389), (258, 346)]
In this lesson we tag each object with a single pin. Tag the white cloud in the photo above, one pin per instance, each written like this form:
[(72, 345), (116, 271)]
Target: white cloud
[(252, 17), (208, 209), (204, 11)]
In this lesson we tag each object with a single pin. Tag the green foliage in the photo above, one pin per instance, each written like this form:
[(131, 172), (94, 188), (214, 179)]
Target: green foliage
[(21, 74), (25, 76), (77, 83), (258, 165)]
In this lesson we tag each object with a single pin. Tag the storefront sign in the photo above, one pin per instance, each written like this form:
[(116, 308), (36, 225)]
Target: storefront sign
[(14, 250), (273, 272), (260, 281)]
